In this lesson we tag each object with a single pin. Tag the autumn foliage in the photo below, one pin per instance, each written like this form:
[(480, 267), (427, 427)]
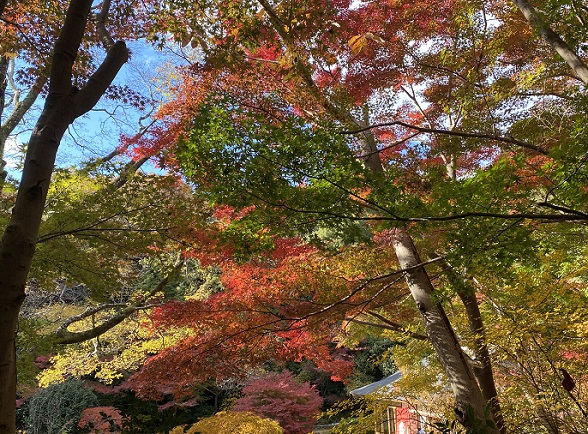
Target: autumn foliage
[(232, 422), (277, 396), (315, 136), (101, 419)]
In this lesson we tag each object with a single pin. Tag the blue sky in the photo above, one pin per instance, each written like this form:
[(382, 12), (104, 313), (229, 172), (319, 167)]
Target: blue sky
[(97, 133)]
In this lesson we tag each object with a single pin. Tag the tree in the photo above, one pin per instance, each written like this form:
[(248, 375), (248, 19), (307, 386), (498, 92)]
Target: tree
[(303, 71), (63, 105), (265, 312), (29, 33), (109, 341), (279, 119), (278, 397), (232, 421)]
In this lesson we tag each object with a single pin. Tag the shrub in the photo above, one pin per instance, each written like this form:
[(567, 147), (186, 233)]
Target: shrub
[(279, 397), (57, 408), (229, 422), (101, 420)]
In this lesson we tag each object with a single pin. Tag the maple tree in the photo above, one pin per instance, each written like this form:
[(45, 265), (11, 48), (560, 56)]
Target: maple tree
[(64, 103), (277, 396), (232, 421), (244, 325), (312, 114), (338, 141)]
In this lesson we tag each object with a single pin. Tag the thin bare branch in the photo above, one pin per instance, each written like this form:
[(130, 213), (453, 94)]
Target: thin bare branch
[(389, 326), (484, 136)]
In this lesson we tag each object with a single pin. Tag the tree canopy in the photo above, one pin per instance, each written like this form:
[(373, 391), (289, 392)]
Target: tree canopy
[(336, 171)]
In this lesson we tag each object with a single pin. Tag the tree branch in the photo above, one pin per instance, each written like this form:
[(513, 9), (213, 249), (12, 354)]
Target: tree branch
[(64, 336), (66, 47), (20, 108), (100, 20), (389, 326), (94, 225), (128, 171), (365, 284), (464, 134), (97, 84), (548, 218)]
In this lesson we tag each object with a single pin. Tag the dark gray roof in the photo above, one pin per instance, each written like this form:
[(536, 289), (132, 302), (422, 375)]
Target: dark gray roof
[(372, 387)]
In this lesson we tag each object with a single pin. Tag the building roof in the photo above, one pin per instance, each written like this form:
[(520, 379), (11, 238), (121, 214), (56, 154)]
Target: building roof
[(372, 387)]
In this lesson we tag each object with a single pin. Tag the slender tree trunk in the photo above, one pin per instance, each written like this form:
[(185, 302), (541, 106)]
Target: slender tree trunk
[(483, 363), (482, 366), (461, 378), (15, 117), (63, 105), (439, 330), (553, 39), (3, 84)]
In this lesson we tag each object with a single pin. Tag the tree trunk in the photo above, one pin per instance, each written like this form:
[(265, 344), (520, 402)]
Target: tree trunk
[(461, 378), (439, 330), (483, 364), (63, 105), (15, 117), (553, 39), (4, 61)]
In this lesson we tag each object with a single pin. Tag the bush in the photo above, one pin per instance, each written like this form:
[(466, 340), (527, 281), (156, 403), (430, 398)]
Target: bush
[(101, 420), (57, 408), (279, 397), (229, 422)]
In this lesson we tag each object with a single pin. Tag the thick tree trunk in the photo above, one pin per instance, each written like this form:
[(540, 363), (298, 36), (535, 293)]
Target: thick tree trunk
[(461, 378), (63, 105)]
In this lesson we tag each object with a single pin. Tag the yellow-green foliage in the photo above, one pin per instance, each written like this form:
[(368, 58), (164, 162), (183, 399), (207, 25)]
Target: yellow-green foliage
[(91, 233), (229, 422), (360, 415), (118, 351)]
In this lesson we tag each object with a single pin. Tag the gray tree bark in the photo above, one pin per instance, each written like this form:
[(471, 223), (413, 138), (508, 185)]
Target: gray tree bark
[(64, 104), (440, 332), (553, 39), (19, 109), (482, 364)]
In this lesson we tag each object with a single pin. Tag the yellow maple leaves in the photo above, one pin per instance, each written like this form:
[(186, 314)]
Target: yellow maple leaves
[(359, 42)]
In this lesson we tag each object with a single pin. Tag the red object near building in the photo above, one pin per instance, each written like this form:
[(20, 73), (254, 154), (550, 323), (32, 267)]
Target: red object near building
[(399, 417)]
